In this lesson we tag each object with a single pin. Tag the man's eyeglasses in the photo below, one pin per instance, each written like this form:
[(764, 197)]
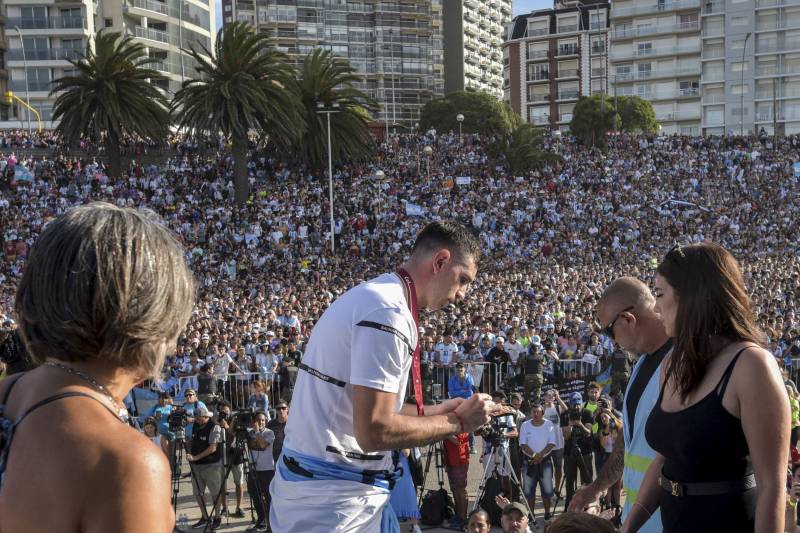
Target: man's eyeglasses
[(189, 394), (281, 408), (608, 331)]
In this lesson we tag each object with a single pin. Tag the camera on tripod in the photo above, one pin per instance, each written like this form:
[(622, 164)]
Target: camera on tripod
[(493, 431), (177, 419), (243, 420)]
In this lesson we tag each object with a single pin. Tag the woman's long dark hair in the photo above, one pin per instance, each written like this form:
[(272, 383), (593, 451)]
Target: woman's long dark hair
[(712, 303)]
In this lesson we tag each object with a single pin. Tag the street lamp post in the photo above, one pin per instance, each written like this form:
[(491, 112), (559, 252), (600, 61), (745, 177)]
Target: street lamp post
[(460, 119), (27, 87), (322, 110), (741, 88)]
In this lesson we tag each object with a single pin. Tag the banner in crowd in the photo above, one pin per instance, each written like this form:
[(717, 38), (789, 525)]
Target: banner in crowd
[(463, 180), (21, 172), (414, 210), (796, 168)]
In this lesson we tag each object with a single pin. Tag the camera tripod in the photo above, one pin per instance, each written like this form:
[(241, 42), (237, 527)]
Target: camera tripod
[(581, 467), (177, 447), (492, 470), (241, 451)]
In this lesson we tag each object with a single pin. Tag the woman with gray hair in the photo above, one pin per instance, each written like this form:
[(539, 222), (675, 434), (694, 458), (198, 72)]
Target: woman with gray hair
[(105, 295)]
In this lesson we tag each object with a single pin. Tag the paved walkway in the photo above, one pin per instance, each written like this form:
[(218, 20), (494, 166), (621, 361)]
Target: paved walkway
[(188, 506)]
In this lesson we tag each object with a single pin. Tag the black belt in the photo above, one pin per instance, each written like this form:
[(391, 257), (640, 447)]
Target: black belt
[(713, 488)]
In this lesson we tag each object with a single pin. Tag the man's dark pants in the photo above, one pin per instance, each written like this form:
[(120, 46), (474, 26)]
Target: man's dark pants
[(573, 465), (258, 486)]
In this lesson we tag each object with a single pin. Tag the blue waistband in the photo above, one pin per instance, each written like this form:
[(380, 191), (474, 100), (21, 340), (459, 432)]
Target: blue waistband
[(295, 466)]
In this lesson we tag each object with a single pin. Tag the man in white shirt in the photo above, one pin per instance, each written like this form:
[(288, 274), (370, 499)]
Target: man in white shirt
[(447, 351), (537, 438), (347, 405)]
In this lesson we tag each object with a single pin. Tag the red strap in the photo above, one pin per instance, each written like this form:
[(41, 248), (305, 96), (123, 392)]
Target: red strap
[(416, 373)]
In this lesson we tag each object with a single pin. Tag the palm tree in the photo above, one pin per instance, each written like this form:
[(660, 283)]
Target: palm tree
[(522, 149), (328, 80), (242, 88), (112, 95)]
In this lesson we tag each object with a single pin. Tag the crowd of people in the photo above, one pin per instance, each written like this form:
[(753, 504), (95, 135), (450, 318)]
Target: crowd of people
[(552, 240)]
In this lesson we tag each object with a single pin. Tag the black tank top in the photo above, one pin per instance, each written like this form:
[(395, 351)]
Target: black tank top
[(703, 443)]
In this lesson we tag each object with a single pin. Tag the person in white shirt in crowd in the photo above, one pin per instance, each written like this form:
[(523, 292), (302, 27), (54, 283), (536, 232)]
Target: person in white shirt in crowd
[(537, 438), (554, 407)]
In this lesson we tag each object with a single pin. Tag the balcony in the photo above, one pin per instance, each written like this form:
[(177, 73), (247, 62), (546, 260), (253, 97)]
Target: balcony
[(18, 86), (782, 116), (538, 54), (533, 32), (539, 120), (538, 98), (688, 93), (778, 25), (598, 50), (761, 4), (788, 45), (653, 52), (567, 73), (533, 78), (567, 28), (711, 8), (711, 99), (46, 54), (565, 117), (660, 7), (652, 74), (47, 23), (678, 115), (777, 71), (643, 31), (154, 35), (568, 95), (150, 5), (567, 50)]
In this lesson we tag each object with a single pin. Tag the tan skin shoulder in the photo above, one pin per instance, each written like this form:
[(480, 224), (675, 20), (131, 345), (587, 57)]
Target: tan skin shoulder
[(748, 372), (91, 472)]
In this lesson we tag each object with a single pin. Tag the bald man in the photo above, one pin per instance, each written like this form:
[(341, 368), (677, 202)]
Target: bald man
[(625, 314)]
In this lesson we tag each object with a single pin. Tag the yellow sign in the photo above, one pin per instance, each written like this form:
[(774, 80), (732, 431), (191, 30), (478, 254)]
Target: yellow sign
[(9, 97)]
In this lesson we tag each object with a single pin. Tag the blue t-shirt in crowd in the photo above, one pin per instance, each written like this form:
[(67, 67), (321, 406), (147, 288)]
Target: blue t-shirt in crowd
[(163, 421), (457, 388), (190, 409), (258, 402)]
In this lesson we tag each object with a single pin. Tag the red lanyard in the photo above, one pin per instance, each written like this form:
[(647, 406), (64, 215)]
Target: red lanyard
[(416, 373)]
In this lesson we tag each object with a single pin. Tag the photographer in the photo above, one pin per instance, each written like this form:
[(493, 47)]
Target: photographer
[(260, 440), (507, 429), (577, 427), (206, 463), (232, 457)]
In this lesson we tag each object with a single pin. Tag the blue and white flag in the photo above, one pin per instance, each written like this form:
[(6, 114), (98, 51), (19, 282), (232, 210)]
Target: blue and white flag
[(21, 172)]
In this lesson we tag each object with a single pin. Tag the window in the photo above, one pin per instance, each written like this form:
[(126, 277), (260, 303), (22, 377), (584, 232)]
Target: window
[(739, 89), (228, 8), (739, 21), (739, 111), (739, 66), (109, 23), (36, 43), (38, 12), (598, 45), (644, 49)]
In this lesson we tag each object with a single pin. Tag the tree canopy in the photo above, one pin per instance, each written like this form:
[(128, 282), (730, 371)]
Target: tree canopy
[(483, 114)]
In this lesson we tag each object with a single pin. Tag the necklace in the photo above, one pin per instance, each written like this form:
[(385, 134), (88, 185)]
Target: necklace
[(121, 411)]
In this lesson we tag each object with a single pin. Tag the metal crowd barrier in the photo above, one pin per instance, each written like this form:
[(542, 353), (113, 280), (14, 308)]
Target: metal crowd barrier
[(235, 388)]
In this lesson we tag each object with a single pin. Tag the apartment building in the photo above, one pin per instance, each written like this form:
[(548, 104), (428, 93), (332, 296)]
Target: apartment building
[(656, 54), (4, 107), (554, 56), (473, 38), (396, 47), (43, 34), (751, 67)]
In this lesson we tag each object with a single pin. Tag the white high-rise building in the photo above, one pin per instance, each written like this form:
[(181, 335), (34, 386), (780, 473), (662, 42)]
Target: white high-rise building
[(751, 67), (655, 54), (473, 37), (41, 35)]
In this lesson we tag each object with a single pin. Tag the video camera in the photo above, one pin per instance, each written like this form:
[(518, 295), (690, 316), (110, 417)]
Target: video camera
[(243, 420), (493, 431), (177, 419)]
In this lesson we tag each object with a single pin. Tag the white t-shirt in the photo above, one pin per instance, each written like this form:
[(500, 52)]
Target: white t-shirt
[(263, 459), (537, 438), (447, 352), (553, 416), (365, 338)]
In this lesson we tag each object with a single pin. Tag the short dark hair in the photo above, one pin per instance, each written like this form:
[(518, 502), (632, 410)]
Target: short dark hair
[(459, 239), (223, 403)]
